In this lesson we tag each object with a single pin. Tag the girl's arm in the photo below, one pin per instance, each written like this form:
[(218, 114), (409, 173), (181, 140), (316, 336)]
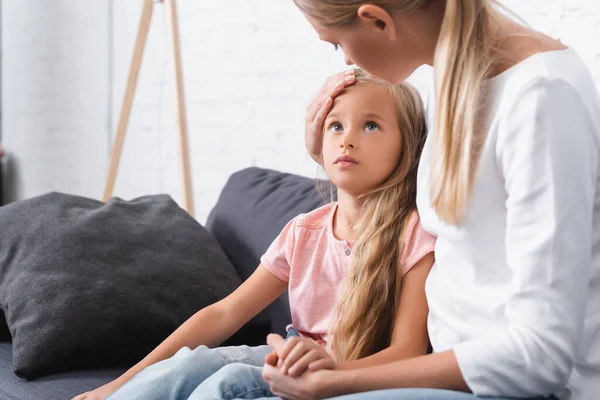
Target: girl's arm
[(409, 338), (212, 325)]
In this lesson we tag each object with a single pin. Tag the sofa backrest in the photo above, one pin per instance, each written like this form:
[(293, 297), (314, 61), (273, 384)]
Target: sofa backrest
[(252, 209)]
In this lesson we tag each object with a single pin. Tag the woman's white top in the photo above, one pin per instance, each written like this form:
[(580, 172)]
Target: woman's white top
[(515, 289)]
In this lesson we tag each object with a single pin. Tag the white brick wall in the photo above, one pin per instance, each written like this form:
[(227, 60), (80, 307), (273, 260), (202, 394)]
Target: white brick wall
[(250, 66), (55, 88)]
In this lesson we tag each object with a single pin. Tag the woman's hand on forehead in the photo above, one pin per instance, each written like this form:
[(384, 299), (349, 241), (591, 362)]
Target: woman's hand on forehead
[(319, 107)]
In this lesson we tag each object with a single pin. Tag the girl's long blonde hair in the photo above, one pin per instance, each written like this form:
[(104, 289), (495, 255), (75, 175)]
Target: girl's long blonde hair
[(463, 60), (369, 298)]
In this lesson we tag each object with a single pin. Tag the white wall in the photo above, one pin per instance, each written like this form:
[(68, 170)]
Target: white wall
[(249, 69), (55, 87)]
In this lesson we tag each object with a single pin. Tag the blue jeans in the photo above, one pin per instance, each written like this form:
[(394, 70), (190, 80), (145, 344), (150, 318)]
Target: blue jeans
[(238, 381), (177, 377), (422, 394)]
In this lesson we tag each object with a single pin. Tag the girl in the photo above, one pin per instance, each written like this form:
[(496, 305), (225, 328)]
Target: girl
[(373, 139), (508, 182)]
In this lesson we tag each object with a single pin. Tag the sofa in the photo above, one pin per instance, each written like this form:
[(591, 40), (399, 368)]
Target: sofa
[(253, 207)]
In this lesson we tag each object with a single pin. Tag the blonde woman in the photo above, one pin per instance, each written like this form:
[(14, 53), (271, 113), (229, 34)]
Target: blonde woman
[(369, 242), (508, 182)]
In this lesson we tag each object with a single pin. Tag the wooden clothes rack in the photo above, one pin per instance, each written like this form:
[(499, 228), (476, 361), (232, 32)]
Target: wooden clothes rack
[(180, 111)]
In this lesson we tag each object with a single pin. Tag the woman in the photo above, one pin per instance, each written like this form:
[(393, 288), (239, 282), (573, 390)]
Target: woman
[(507, 182)]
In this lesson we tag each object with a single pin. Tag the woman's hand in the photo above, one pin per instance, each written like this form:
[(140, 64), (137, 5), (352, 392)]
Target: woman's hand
[(311, 385), (296, 355), (319, 107)]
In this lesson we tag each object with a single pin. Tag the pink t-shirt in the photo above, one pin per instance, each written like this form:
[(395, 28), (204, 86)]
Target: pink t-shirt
[(314, 263)]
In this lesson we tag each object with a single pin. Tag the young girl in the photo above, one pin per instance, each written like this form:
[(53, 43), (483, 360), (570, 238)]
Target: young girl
[(508, 182), (370, 240)]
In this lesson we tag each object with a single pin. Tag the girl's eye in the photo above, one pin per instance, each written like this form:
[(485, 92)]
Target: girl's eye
[(335, 127), (336, 47), (371, 127)]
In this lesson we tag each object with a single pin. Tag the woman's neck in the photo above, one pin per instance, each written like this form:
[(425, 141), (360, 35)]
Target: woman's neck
[(347, 217), (514, 43)]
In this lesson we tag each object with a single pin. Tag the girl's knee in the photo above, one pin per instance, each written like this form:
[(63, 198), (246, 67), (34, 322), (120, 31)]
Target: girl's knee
[(233, 381), (238, 371), (185, 360)]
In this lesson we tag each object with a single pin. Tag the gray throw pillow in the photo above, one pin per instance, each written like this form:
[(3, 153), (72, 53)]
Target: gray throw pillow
[(88, 284)]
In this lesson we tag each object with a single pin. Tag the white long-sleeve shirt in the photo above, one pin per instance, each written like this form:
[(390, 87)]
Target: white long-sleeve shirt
[(515, 289)]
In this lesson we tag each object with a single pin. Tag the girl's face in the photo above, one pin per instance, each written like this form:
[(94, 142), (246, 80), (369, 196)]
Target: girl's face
[(361, 141), (389, 55)]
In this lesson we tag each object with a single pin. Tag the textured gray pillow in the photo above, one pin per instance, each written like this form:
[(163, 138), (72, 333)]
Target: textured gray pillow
[(87, 284)]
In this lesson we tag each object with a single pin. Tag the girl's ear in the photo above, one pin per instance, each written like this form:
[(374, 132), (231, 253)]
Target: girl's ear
[(377, 19)]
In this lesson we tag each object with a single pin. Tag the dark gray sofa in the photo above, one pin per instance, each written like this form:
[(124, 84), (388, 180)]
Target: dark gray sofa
[(253, 207)]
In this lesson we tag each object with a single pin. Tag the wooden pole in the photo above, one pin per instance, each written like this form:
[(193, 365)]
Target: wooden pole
[(186, 175), (134, 71)]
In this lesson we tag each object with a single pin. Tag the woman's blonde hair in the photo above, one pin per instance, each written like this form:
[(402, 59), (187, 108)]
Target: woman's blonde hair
[(463, 60), (369, 298)]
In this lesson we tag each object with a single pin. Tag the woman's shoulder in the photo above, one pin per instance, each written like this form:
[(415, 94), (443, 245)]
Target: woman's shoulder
[(549, 72)]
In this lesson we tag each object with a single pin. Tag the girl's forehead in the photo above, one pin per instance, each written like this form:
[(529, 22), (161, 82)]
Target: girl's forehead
[(369, 97), (365, 101)]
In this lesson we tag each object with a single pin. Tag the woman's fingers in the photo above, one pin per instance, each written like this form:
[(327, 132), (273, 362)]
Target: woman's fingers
[(322, 363), (296, 353), (303, 362), (319, 107), (331, 88), (319, 120), (289, 347)]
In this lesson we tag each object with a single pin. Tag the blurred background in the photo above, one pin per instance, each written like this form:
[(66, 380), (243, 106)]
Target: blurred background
[(250, 67)]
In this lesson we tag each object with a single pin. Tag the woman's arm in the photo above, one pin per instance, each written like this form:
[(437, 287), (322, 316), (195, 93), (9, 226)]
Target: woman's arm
[(211, 325), (409, 338), (439, 370)]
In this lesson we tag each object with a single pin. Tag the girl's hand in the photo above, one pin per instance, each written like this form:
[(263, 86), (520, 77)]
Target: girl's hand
[(311, 385), (319, 107), (99, 394), (296, 355)]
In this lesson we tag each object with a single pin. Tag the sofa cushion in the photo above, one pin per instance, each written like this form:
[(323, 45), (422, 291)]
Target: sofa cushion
[(88, 284), (61, 386), (252, 209)]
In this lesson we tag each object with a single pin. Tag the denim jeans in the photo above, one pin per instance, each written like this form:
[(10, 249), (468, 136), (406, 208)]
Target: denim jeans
[(177, 377), (422, 394), (238, 381)]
